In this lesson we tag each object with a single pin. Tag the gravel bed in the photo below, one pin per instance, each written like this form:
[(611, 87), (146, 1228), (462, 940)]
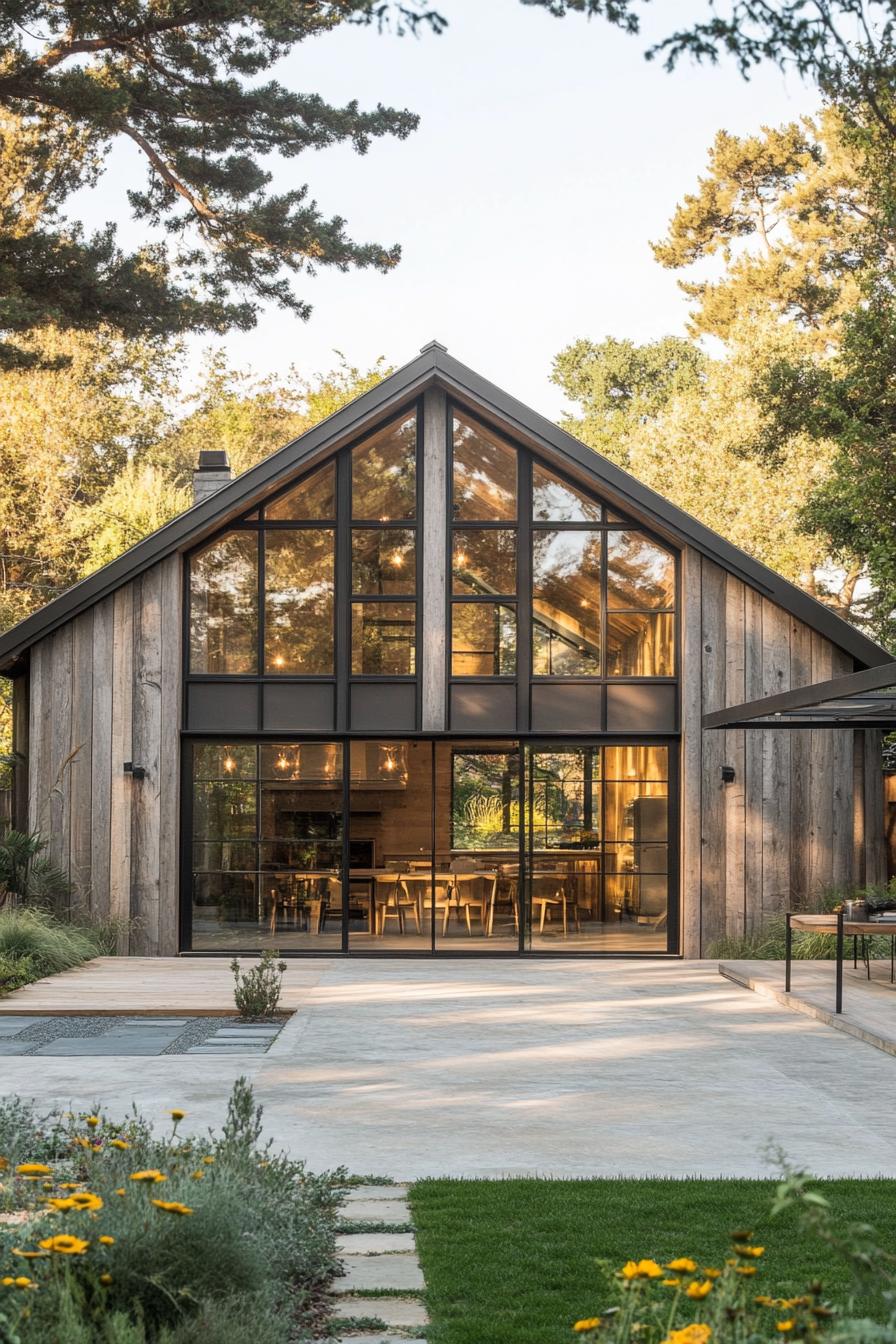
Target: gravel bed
[(196, 1030)]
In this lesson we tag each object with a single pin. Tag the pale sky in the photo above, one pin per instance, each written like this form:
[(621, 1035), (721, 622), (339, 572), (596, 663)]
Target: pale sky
[(549, 154)]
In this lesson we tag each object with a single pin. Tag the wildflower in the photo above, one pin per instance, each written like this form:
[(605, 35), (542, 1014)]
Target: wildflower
[(641, 1269), (7, 1281), (105, 1280), (589, 1323), (683, 1264), (71, 1185), (699, 1289), (92, 1121), (148, 1176), (698, 1333), (32, 1169), (710, 1273), (120, 1190), (177, 1115), (753, 1252), (198, 1175), (671, 1283), (46, 1185), (784, 1326), (81, 1142), (107, 1240), (765, 1301), (208, 1160), (63, 1205), (30, 1255), (64, 1245), (4, 1164), (119, 1143), (170, 1206), (745, 1269), (23, 1281)]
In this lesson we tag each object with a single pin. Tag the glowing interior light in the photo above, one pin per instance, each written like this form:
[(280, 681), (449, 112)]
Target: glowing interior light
[(282, 763), (389, 763), (461, 557), (229, 764), (279, 660), (396, 559)]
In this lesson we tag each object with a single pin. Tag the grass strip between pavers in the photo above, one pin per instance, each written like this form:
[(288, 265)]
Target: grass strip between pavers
[(513, 1261)]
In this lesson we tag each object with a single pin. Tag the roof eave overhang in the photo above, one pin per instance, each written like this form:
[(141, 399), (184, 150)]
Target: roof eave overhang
[(772, 711)]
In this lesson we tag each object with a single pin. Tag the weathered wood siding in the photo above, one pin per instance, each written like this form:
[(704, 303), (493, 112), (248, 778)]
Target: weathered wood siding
[(105, 689), (793, 823)]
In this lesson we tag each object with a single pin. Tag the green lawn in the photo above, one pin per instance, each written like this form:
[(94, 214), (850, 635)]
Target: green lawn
[(513, 1262)]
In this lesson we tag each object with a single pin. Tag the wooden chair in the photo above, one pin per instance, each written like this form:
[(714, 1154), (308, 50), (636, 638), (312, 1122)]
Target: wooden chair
[(330, 905), (285, 896), (391, 898), (548, 892)]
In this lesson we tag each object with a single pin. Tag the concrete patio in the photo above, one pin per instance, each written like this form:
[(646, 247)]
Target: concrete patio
[(485, 1068)]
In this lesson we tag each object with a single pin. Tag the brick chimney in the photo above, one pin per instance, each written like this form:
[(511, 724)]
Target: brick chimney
[(212, 472)]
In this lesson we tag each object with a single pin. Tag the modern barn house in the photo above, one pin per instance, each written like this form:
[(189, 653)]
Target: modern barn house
[(431, 679)]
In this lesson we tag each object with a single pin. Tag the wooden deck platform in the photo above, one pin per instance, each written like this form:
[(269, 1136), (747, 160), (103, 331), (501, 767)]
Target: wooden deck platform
[(869, 1007), (151, 986)]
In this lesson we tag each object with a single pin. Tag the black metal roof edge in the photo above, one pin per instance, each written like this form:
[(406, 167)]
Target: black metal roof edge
[(211, 513), (680, 524), (804, 697), (432, 365)]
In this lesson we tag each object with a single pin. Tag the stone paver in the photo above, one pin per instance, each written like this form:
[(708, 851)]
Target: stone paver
[(10, 1025), (380, 1271), (367, 1338), (398, 1311), (376, 1243), (67, 1047), (377, 1211), (9, 1048), (367, 1192)]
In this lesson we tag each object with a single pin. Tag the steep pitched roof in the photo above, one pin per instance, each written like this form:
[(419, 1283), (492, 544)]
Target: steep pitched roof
[(434, 367)]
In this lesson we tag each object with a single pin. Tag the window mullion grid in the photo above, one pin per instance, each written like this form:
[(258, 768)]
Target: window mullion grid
[(524, 590)]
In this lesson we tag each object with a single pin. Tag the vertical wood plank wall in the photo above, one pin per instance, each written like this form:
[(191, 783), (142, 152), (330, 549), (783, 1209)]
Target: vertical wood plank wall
[(105, 689), (793, 821)]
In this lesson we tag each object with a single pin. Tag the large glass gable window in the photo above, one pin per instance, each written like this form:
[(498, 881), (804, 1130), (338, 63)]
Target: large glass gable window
[(263, 595)]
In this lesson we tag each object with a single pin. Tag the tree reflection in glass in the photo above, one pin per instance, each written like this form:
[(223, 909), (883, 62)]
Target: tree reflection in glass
[(565, 603), (384, 473), (224, 605), (299, 602)]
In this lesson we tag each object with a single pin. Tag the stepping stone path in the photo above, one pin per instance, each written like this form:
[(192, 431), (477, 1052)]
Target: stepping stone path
[(375, 1261), (254, 1037)]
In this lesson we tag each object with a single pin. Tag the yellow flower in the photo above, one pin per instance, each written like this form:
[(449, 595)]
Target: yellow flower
[(784, 1326), (753, 1252), (119, 1143), (170, 1206), (4, 1164), (671, 1283), (64, 1245), (105, 1280), (208, 1161), (177, 1115), (120, 1190), (23, 1281), (71, 1185), (7, 1281), (199, 1175), (698, 1333), (745, 1269), (106, 1240), (92, 1121), (63, 1205), (710, 1273), (81, 1142), (148, 1176), (30, 1255), (641, 1269), (32, 1169), (589, 1323), (699, 1289), (683, 1264), (46, 1185)]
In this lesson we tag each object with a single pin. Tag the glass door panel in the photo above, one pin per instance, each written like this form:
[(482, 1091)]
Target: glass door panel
[(477, 877), (390, 847), (596, 848)]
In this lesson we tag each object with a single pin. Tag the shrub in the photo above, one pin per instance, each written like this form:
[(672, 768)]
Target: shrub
[(214, 1240), (687, 1302), (766, 942), (27, 874), (37, 935), (257, 992)]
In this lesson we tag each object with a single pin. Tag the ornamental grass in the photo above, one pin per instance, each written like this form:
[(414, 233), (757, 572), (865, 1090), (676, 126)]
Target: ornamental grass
[(242, 1246), (686, 1301)]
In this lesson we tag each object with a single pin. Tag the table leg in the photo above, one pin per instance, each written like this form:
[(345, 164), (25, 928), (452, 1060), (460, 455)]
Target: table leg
[(839, 1005), (788, 945)]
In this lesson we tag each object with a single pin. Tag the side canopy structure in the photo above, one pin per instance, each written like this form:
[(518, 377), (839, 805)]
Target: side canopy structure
[(864, 699)]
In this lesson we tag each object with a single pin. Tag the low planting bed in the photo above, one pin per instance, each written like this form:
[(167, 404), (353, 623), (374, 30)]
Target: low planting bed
[(517, 1261), (111, 1234)]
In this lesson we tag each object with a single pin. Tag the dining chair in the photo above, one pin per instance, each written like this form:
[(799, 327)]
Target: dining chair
[(546, 892), (391, 899)]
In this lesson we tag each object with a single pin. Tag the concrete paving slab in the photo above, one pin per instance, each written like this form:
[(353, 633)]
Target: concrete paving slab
[(69, 1047), (10, 1025), (9, 1048), (373, 1339), (377, 1211), (380, 1271), (376, 1243), (401, 1311), (357, 1193)]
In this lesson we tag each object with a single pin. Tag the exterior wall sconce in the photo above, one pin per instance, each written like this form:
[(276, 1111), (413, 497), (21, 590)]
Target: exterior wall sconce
[(727, 774), (135, 771)]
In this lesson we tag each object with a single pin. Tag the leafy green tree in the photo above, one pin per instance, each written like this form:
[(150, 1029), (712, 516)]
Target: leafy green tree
[(187, 84), (792, 216)]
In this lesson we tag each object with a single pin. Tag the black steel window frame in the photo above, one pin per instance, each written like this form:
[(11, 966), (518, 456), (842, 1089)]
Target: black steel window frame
[(612, 520), (524, 745), (253, 521)]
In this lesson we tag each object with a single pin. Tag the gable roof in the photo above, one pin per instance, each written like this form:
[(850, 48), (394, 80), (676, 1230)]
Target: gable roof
[(434, 367)]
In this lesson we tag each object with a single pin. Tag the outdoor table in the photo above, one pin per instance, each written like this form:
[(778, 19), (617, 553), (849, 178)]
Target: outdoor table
[(839, 927)]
